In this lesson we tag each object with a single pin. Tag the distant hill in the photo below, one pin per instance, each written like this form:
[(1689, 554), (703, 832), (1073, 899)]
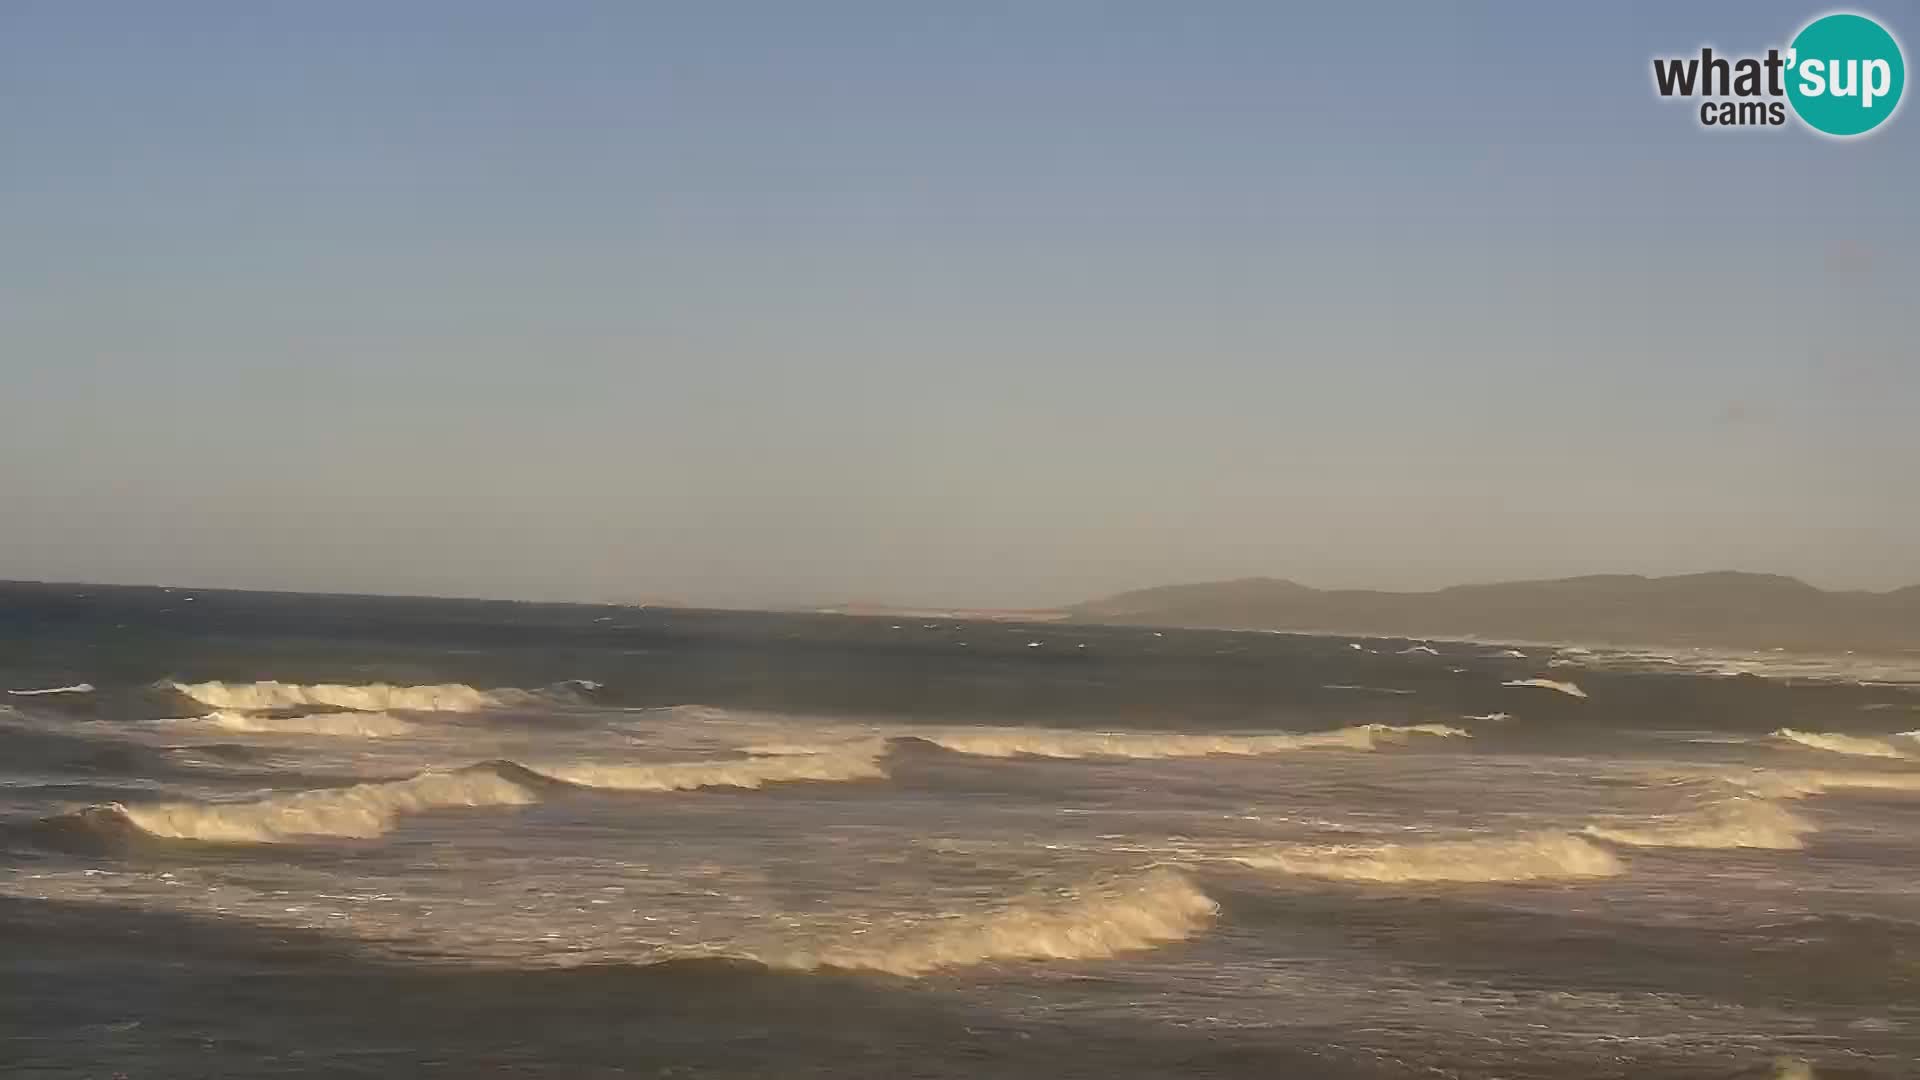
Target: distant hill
[(1722, 609)]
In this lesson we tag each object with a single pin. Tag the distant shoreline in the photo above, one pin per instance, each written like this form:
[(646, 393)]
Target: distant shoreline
[(1748, 613), (1714, 611)]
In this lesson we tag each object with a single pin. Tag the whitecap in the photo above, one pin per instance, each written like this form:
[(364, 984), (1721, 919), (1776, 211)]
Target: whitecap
[(1092, 922), (1066, 743), (1733, 823), (372, 697), (1549, 684), (1535, 857), (76, 688)]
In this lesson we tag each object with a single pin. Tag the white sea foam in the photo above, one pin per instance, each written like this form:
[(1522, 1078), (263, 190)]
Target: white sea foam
[(1857, 745), (366, 724), (1534, 857), (1733, 823), (1365, 689), (373, 697), (1064, 743), (1846, 669), (1549, 684), (829, 743), (369, 810), (1794, 784), (1092, 922), (360, 811), (76, 688), (851, 764)]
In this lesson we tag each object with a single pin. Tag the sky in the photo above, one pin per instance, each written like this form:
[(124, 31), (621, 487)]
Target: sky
[(982, 304)]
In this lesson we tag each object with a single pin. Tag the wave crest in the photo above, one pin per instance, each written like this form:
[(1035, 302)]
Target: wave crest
[(1537, 857), (1093, 922), (367, 724), (76, 688), (1794, 784), (362, 811), (1064, 743), (1857, 745), (372, 697), (1566, 688), (1735, 823), (749, 772)]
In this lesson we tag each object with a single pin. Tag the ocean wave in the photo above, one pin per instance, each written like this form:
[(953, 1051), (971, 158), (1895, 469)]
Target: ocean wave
[(367, 724), (1535, 857), (1794, 784), (1734, 823), (1092, 922), (1859, 746), (76, 688), (752, 772), (1066, 743), (868, 745), (1549, 684), (372, 697), (362, 811)]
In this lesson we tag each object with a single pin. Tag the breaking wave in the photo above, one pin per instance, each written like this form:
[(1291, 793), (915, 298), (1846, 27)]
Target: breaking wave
[(1536, 857), (373, 697), (1549, 684), (1857, 745), (749, 772), (367, 724), (1064, 743), (364, 811), (1092, 922), (360, 812), (1794, 784), (1734, 823), (76, 688)]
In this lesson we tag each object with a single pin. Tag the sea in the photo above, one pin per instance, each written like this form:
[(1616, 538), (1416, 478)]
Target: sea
[(259, 834)]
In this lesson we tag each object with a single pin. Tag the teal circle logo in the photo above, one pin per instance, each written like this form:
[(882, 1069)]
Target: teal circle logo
[(1845, 74)]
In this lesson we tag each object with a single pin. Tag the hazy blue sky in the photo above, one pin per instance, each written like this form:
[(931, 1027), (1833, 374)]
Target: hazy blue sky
[(968, 302)]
